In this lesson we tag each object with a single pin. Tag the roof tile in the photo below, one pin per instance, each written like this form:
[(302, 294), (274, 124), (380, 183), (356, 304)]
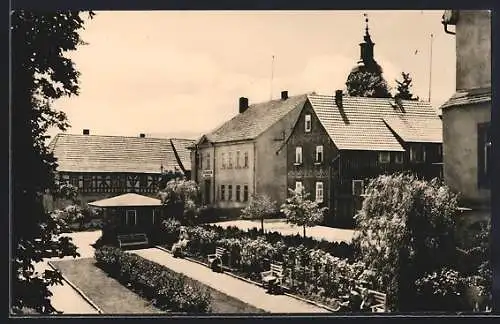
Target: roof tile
[(362, 123)]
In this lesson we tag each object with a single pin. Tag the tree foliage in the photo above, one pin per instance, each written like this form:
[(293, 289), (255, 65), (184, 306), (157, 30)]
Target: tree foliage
[(180, 197), (367, 83), (406, 231), (301, 211), (259, 207), (40, 74), (404, 87)]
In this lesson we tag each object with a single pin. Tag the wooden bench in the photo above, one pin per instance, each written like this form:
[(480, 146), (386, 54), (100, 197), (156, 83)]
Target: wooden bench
[(219, 253), (274, 277), (380, 301), (132, 239)]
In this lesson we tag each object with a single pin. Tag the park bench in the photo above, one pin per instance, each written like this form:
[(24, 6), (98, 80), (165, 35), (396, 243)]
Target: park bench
[(132, 239), (216, 257), (273, 278), (380, 301)]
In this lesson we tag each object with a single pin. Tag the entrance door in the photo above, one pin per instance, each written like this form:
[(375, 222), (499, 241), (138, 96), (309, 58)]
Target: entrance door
[(206, 192)]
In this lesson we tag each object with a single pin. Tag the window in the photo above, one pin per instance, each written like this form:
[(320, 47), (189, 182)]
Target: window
[(319, 154), (73, 180), (384, 157), (230, 192), (87, 182), (307, 125), (357, 187), (298, 186), (131, 217), (484, 155), (237, 159), (208, 161), (319, 192), (298, 155), (245, 193), (222, 192), (154, 217), (245, 162), (398, 157), (223, 160), (417, 153), (230, 160), (238, 188)]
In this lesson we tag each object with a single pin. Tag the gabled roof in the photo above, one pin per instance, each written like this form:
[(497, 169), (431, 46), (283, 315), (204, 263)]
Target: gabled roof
[(468, 97), (365, 123), (127, 200), (255, 120), (181, 148), (97, 153)]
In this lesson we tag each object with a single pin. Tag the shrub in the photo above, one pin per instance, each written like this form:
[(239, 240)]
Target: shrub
[(442, 290), (169, 290), (406, 229)]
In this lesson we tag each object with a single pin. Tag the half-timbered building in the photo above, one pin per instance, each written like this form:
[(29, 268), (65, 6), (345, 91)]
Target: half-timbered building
[(339, 142), (106, 166)]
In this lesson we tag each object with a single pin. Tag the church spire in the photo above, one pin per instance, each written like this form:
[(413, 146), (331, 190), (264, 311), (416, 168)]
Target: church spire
[(367, 46)]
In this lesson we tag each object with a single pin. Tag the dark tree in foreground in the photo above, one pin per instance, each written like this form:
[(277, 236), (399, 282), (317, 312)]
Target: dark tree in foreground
[(404, 87), (40, 74)]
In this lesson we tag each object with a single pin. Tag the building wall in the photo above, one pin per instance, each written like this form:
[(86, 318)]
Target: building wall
[(235, 175), (473, 49), (271, 173), (461, 151), (309, 172)]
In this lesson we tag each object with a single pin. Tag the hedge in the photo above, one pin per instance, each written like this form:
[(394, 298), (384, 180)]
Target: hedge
[(168, 290)]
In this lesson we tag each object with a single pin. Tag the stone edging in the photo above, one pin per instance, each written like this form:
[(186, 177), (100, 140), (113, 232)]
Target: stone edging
[(81, 293), (255, 283)]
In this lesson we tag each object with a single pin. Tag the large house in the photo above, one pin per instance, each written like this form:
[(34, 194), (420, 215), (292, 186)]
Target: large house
[(467, 114), (240, 157), (339, 142), (106, 166)]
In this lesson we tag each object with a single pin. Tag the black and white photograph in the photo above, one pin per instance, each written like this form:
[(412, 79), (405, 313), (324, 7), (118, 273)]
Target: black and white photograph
[(250, 162)]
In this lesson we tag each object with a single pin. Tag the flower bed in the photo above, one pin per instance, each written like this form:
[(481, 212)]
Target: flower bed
[(310, 272), (168, 290)]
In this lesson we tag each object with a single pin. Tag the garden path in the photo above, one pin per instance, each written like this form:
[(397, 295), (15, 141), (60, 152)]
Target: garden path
[(246, 292), (330, 234)]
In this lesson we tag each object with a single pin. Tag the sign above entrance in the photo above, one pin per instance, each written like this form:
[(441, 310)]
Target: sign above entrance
[(207, 173)]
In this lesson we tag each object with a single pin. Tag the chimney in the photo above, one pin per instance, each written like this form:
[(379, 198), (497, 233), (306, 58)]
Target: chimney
[(86, 132), (338, 98), (243, 104), (284, 95), (142, 135)]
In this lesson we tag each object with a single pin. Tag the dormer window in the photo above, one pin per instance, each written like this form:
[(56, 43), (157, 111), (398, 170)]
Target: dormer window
[(307, 125)]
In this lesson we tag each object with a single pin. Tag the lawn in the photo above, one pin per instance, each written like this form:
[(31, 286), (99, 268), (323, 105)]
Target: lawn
[(107, 293), (113, 298)]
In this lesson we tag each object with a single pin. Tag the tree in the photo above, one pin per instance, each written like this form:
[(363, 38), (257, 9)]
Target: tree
[(406, 232), (40, 74), (404, 87), (259, 207), (301, 211), (367, 83), (166, 176), (180, 197)]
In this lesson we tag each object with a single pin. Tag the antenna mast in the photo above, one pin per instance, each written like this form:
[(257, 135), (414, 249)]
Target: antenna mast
[(272, 76), (430, 69)]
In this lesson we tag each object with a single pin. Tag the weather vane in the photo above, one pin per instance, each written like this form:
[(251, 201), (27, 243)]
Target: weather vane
[(366, 21)]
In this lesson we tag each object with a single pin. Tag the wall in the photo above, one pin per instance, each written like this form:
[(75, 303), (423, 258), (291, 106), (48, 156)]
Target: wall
[(271, 173), (460, 150), (309, 172), (234, 176), (473, 48)]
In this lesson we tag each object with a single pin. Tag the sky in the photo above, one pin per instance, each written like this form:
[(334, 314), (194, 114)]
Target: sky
[(181, 73)]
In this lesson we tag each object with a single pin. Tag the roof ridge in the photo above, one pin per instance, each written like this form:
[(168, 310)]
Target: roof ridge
[(116, 136)]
